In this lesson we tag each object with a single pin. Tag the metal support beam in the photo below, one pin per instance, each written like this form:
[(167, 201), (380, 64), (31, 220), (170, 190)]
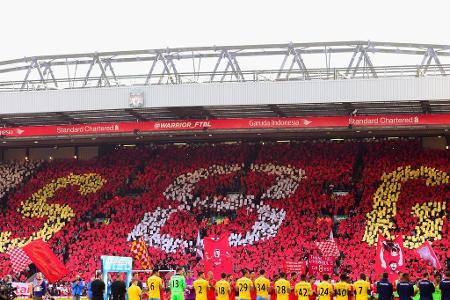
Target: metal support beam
[(352, 60), (428, 57), (38, 68), (296, 60), (48, 69), (103, 74), (191, 112), (426, 107), (369, 63), (286, 56), (227, 63), (301, 64), (437, 61), (25, 80), (135, 114), (207, 113), (150, 72), (178, 112), (363, 57), (67, 118), (277, 110), (108, 64), (348, 107), (7, 123), (86, 79), (165, 70), (232, 64)]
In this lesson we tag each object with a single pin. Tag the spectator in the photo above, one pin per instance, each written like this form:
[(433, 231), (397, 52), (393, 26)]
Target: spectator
[(268, 197)]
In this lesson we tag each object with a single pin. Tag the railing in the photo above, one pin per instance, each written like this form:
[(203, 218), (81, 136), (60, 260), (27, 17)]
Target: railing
[(245, 63)]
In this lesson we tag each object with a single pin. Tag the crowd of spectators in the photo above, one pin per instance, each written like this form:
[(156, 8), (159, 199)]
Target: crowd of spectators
[(14, 173), (275, 200), (408, 192)]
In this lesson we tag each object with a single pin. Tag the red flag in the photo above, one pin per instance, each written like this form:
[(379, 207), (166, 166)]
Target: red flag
[(217, 256), (45, 260), (390, 257), (19, 259), (426, 252)]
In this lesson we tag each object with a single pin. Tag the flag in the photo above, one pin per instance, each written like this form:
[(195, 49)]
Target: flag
[(426, 252), (390, 257), (19, 259), (319, 265), (217, 256), (140, 252), (45, 260), (199, 245), (328, 247)]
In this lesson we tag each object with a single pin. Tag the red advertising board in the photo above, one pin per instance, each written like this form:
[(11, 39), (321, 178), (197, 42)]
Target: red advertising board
[(228, 124), (319, 265)]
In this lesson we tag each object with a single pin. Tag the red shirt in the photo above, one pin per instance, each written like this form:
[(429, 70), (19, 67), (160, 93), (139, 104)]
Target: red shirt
[(211, 291), (273, 294), (292, 295), (253, 294), (232, 295), (314, 288)]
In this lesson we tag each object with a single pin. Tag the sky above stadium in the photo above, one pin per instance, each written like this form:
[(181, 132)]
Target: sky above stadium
[(54, 27)]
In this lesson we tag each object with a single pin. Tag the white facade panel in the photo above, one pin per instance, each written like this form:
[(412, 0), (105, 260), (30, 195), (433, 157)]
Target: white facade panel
[(244, 93)]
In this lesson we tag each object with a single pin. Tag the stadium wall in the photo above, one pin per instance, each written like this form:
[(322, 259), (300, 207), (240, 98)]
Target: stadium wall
[(90, 152), (240, 93)]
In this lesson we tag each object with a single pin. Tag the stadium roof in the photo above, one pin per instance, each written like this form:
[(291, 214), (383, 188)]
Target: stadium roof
[(59, 77)]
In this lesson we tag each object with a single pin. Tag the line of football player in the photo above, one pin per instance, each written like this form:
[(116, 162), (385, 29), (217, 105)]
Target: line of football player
[(280, 288)]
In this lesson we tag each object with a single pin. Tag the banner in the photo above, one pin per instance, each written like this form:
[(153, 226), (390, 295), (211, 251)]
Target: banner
[(319, 265), (390, 257), (45, 260), (426, 252), (22, 289), (294, 266), (217, 256), (390, 121)]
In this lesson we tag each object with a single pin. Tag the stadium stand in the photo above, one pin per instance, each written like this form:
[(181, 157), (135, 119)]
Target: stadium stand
[(13, 173), (293, 191)]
